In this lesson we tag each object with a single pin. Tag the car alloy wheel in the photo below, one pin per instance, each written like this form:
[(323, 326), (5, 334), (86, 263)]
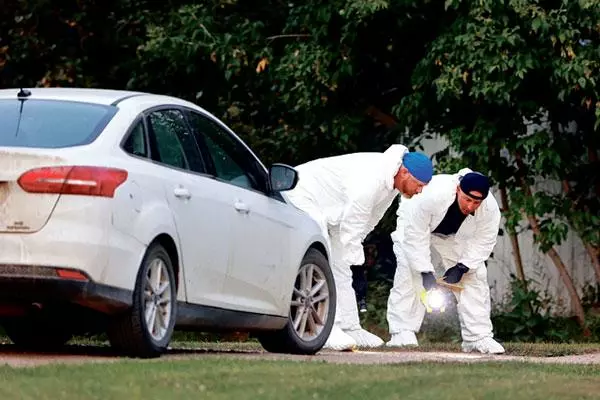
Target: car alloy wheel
[(312, 309), (157, 299), (146, 328), (310, 302)]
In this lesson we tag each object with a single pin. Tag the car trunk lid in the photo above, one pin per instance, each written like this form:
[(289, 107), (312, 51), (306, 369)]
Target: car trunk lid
[(21, 211)]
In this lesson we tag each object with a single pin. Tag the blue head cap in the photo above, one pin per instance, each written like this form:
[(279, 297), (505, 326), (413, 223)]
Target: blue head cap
[(419, 166)]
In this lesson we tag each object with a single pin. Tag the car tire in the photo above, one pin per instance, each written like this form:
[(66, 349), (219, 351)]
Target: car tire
[(300, 336), (38, 332), (129, 332)]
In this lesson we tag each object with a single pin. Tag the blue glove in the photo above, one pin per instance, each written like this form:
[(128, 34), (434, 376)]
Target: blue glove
[(428, 280), (454, 274)]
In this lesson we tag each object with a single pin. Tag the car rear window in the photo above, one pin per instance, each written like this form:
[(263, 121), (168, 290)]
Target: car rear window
[(51, 123)]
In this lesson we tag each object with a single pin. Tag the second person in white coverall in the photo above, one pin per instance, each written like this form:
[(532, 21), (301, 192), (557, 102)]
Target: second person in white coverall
[(347, 195), (456, 217)]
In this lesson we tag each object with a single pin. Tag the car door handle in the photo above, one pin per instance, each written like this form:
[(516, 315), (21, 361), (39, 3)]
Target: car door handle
[(241, 207), (182, 193)]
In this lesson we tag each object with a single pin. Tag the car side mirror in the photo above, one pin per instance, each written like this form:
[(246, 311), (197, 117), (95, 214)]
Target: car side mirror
[(282, 177)]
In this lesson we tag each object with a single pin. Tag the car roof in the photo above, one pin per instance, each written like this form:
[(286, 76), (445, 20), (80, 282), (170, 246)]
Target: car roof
[(86, 95), (102, 96)]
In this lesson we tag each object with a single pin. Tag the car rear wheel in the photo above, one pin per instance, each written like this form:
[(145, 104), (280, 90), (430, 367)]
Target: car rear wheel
[(312, 310), (146, 329)]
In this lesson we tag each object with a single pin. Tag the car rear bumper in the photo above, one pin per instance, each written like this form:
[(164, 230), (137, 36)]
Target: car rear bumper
[(35, 284), (78, 235), (108, 258)]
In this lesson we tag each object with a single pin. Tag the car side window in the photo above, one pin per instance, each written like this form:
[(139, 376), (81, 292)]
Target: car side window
[(175, 144), (136, 141), (231, 161)]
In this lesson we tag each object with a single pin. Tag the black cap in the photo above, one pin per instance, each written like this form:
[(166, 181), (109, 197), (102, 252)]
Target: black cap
[(475, 181)]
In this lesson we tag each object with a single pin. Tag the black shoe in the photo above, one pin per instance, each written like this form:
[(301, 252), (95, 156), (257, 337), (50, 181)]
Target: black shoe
[(362, 306)]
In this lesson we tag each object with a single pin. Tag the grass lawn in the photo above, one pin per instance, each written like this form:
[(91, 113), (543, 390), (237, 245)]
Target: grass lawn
[(187, 341), (218, 378)]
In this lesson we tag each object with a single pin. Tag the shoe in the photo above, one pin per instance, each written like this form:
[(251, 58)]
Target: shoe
[(362, 306), (403, 339), (364, 338), (485, 346), (339, 341)]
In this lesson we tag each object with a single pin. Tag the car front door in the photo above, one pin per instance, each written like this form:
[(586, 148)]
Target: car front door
[(201, 208), (260, 232)]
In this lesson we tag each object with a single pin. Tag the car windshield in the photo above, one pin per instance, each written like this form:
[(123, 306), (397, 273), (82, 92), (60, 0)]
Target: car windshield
[(51, 123)]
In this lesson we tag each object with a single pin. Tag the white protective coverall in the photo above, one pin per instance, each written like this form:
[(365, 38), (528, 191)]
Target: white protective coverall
[(471, 245), (347, 195)]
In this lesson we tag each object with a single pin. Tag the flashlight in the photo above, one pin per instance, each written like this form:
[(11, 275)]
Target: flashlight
[(434, 300)]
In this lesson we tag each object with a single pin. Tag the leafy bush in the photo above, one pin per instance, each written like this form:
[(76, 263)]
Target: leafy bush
[(527, 318)]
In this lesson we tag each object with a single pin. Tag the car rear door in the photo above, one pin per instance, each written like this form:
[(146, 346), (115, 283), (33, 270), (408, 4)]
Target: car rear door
[(201, 208), (260, 230)]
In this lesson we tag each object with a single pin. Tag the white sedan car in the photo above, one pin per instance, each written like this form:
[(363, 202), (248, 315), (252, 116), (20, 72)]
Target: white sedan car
[(137, 214)]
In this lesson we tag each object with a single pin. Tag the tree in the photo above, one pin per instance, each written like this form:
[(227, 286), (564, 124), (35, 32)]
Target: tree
[(88, 43), (296, 81)]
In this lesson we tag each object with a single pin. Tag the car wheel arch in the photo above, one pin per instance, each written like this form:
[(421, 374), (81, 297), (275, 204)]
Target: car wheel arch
[(167, 241), (316, 245), (319, 247)]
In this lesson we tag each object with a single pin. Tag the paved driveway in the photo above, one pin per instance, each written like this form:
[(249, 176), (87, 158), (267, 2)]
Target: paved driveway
[(86, 354)]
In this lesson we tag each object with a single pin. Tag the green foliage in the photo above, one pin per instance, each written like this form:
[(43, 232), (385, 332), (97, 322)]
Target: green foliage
[(503, 82), (591, 298), (527, 318), (83, 43), (273, 72)]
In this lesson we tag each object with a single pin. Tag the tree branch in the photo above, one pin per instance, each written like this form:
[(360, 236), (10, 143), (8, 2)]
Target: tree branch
[(514, 240), (291, 35), (381, 117)]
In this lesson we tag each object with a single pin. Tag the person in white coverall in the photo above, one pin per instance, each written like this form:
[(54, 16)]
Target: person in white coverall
[(456, 217), (347, 195)]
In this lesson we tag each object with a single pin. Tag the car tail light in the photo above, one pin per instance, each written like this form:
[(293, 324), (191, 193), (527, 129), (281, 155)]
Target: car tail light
[(71, 274), (75, 180)]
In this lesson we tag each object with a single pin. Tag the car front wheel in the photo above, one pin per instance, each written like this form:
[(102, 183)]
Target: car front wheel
[(146, 329), (312, 310)]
